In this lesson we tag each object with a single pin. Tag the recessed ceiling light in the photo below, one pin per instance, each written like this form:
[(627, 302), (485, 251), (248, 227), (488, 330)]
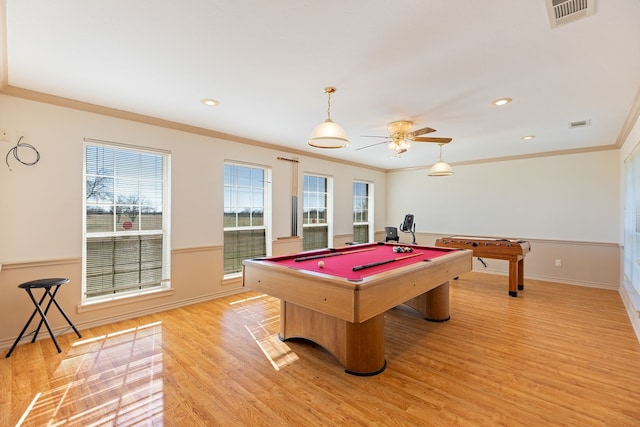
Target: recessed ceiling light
[(502, 101), (527, 137), (210, 102)]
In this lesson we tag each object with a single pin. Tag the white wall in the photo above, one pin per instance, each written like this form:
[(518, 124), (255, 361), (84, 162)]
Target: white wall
[(41, 209), (42, 205), (568, 197)]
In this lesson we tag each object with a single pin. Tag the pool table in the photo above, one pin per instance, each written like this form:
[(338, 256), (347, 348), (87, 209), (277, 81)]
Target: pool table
[(337, 297)]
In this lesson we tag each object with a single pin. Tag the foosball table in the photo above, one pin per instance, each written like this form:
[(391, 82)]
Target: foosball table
[(512, 250)]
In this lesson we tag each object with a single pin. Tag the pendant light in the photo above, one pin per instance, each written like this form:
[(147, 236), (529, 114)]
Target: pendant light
[(328, 134), (441, 168)]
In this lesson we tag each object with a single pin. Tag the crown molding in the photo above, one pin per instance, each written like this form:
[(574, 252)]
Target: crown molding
[(141, 118), (17, 92)]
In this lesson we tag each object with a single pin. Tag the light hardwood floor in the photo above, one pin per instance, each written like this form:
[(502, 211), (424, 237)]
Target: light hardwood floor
[(556, 355)]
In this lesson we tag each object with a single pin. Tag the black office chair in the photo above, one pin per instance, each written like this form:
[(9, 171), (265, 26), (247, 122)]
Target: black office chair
[(391, 234)]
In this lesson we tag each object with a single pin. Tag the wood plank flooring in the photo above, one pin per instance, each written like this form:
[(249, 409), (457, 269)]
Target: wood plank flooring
[(557, 355)]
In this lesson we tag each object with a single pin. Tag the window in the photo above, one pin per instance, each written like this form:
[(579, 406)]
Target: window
[(632, 219), (316, 210), (126, 238), (362, 212), (245, 215)]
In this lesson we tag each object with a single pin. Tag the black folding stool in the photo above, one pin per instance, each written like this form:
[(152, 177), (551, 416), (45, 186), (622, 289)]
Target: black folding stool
[(45, 284)]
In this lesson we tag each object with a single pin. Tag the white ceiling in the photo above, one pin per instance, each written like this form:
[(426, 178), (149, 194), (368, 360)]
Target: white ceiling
[(437, 63)]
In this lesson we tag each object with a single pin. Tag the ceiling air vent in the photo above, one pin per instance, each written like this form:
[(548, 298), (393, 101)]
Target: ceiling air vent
[(565, 11), (579, 124)]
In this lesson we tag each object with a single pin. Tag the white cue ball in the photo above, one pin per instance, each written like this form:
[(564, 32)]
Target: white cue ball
[(320, 264)]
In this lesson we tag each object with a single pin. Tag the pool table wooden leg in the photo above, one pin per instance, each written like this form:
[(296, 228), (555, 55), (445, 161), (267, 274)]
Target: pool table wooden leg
[(359, 347), (434, 304)]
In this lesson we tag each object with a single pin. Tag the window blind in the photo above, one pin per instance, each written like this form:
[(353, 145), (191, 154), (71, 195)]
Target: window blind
[(125, 235), (244, 215)]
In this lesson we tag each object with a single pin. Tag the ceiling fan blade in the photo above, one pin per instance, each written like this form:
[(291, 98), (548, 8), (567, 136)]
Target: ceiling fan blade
[(432, 139), (372, 145), (373, 136), (423, 131)]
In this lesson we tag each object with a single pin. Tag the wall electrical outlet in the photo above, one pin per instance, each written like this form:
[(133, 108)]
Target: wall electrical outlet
[(558, 263), (4, 135)]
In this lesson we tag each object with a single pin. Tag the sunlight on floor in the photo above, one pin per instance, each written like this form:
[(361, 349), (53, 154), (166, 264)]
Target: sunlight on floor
[(276, 351), (263, 327), (243, 300), (116, 377)]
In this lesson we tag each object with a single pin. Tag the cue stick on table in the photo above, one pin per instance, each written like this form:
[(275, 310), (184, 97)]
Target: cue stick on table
[(307, 258), (374, 264)]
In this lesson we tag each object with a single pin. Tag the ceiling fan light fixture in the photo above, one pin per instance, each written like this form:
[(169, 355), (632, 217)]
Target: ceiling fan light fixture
[(401, 128), (441, 168), (328, 134), (400, 134), (399, 146)]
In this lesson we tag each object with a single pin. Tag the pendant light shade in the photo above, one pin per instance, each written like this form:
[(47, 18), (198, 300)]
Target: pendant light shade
[(328, 134), (441, 168)]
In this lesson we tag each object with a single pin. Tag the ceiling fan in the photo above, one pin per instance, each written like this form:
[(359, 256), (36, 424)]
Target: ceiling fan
[(400, 137)]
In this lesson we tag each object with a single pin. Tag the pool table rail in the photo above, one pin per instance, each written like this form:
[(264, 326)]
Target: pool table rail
[(349, 300)]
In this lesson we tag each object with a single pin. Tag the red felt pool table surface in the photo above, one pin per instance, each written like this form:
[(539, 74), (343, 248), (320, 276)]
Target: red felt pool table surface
[(340, 262)]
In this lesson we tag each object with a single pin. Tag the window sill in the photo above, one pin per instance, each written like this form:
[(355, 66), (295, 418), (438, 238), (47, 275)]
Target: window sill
[(123, 300)]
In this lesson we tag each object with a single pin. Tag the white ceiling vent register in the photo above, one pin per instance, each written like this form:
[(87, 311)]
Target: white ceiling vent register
[(579, 124), (565, 11)]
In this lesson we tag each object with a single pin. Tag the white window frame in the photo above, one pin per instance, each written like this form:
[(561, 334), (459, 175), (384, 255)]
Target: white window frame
[(165, 282), (329, 207), (632, 218), (267, 214), (370, 210)]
